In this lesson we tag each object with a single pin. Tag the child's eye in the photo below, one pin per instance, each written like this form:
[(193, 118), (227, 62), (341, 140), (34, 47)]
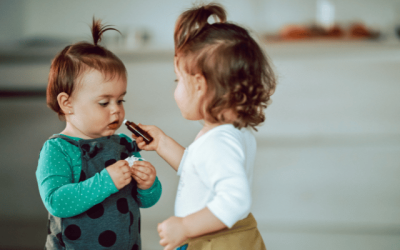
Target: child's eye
[(103, 104), (121, 101), (176, 80)]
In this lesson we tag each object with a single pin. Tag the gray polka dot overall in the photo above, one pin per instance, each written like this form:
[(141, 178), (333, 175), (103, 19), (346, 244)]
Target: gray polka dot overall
[(111, 224)]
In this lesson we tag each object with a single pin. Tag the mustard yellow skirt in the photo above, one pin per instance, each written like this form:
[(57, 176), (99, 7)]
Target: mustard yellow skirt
[(242, 236)]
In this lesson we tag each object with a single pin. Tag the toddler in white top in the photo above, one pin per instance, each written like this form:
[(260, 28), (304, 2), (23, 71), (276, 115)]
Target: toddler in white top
[(224, 79), (216, 172)]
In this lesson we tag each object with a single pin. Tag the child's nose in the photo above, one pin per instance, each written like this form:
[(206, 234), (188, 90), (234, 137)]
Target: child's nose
[(116, 109)]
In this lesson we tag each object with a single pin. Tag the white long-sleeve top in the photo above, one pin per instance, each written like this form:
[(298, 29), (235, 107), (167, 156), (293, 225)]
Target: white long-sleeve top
[(216, 171)]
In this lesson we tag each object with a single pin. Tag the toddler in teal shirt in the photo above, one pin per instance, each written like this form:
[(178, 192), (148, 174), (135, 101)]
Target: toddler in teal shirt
[(91, 192)]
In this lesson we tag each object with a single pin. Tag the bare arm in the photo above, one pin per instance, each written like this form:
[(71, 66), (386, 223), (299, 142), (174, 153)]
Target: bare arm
[(202, 222), (170, 151), (176, 230), (165, 146)]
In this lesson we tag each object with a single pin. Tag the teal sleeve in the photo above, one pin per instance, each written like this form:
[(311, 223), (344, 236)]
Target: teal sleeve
[(60, 195), (149, 197)]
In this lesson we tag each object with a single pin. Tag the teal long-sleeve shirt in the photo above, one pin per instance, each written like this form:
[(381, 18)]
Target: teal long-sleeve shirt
[(58, 173)]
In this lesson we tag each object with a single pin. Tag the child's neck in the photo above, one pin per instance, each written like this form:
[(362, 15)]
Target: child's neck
[(229, 115), (71, 130), (207, 127)]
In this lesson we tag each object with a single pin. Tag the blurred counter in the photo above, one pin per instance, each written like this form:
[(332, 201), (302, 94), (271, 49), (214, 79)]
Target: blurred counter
[(16, 55), (288, 49), (333, 50), (27, 69)]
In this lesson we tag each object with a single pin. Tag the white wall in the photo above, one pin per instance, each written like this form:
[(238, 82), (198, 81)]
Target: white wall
[(70, 19), (158, 17), (12, 20)]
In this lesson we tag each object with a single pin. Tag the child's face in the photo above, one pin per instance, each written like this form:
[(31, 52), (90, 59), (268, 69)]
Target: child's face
[(185, 97), (97, 105)]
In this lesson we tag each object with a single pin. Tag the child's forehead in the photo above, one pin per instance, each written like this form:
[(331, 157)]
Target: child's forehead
[(99, 77), (94, 82), (92, 75)]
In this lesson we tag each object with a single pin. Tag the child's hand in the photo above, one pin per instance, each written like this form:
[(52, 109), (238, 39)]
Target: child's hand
[(172, 233), (120, 173), (154, 132), (144, 173)]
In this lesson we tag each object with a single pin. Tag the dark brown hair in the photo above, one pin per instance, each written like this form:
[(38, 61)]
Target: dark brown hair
[(78, 58), (238, 74)]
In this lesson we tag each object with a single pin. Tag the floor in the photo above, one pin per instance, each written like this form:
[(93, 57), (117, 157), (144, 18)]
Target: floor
[(30, 238)]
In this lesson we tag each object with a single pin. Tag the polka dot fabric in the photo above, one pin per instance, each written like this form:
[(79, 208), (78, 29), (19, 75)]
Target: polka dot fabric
[(86, 210), (60, 164)]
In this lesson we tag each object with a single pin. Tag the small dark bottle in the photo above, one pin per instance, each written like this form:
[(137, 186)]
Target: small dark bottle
[(138, 131)]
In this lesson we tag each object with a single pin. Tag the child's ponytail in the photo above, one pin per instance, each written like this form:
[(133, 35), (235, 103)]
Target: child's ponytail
[(192, 22), (98, 29)]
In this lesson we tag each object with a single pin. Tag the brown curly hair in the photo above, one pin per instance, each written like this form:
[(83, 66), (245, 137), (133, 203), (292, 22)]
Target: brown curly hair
[(69, 64), (238, 74)]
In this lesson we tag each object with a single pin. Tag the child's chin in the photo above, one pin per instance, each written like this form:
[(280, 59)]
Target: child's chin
[(109, 132)]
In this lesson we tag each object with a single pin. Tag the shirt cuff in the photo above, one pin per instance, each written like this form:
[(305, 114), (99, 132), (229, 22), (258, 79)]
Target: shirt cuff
[(144, 192)]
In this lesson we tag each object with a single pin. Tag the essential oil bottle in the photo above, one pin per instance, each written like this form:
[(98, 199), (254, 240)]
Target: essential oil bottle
[(138, 131)]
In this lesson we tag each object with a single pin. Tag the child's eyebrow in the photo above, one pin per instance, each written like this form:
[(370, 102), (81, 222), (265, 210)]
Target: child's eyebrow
[(107, 96)]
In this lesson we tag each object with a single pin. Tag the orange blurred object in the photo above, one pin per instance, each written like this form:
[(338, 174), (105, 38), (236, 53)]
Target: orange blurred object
[(335, 31), (301, 32), (359, 30), (292, 32)]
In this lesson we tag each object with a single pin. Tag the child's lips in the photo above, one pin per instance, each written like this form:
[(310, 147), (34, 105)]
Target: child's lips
[(113, 125)]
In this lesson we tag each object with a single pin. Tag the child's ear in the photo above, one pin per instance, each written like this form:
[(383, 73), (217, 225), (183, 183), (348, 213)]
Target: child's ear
[(200, 84), (65, 103)]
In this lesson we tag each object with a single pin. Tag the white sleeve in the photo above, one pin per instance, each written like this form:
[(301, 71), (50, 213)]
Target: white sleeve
[(222, 167)]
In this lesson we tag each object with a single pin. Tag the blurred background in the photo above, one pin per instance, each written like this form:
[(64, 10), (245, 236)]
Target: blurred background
[(328, 162)]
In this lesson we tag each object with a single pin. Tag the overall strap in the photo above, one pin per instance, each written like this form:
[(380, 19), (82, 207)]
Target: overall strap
[(73, 142)]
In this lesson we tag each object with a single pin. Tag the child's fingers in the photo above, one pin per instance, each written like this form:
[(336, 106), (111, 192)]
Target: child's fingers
[(124, 181), (138, 139), (144, 166), (143, 169), (127, 175), (120, 163), (134, 136), (140, 178), (143, 163), (147, 178), (127, 181), (145, 127), (125, 168), (123, 162)]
